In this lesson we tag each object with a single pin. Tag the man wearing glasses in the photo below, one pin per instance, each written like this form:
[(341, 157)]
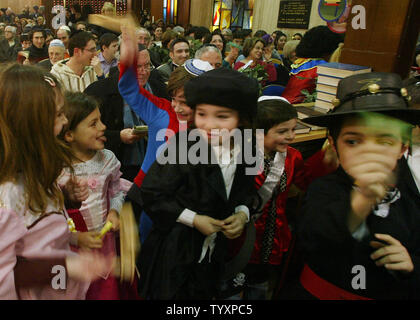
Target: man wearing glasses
[(83, 67)]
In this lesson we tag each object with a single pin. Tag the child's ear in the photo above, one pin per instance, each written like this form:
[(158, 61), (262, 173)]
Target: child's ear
[(68, 136), (404, 148), (331, 141)]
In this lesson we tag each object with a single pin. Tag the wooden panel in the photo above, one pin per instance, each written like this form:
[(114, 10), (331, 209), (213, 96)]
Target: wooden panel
[(387, 44), (156, 9), (201, 13), (184, 12)]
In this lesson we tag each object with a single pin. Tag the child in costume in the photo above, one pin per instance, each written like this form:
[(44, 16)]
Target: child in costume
[(157, 113), (84, 133), (283, 167), (360, 231), (196, 208), (35, 230)]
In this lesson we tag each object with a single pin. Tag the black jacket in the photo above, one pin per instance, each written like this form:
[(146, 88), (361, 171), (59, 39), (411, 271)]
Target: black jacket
[(112, 106), (331, 252), (168, 261)]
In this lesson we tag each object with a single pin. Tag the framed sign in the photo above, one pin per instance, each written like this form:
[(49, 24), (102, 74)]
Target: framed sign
[(294, 14)]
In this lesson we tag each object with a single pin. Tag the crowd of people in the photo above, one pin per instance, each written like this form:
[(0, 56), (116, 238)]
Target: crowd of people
[(92, 118)]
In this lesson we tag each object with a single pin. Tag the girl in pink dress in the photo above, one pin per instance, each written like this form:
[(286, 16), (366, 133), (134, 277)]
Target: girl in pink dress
[(36, 261), (100, 167)]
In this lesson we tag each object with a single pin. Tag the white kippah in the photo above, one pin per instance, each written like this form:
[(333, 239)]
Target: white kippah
[(264, 98), (197, 66), (57, 43), (65, 28)]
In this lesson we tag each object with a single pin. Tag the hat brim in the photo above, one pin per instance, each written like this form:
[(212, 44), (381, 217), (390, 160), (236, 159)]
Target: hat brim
[(411, 116)]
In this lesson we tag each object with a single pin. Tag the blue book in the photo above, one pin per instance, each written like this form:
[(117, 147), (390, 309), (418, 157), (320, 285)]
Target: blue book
[(341, 70)]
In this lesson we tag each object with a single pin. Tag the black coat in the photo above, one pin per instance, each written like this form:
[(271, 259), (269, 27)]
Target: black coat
[(168, 261), (331, 252), (112, 106)]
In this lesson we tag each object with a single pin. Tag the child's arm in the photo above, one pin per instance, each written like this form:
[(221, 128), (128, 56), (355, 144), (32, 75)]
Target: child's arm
[(117, 190), (12, 228)]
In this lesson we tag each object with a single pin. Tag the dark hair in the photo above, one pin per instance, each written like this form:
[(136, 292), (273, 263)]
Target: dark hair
[(31, 34), (24, 37), (78, 107), (201, 32), (273, 112), (278, 35), (106, 40), (335, 127), (260, 33), (318, 42), (209, 38), (298, 34), (79, 40), (178, 40), (179, 77), (238, 34), (246, 32), (250, 44)]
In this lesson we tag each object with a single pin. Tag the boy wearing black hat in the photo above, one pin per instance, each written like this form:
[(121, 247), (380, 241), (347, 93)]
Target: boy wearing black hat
[(197, 207), (360, 230)]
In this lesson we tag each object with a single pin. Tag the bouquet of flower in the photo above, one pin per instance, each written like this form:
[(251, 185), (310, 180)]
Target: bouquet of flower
[(258, 73)]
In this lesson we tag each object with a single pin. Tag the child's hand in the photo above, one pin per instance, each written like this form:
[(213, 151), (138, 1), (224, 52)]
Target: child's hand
[(77, 190), (129, 46), (89, 240), (114, 218), (234, 225), (88, 266), (372, 169), (207, 225), (393, 256)]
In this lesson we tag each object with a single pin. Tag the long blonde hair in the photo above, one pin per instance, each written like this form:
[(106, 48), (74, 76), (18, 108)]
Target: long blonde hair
[(28, 147)]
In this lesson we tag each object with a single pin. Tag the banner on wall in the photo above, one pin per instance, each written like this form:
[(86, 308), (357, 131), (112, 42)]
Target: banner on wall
[(294, 14)]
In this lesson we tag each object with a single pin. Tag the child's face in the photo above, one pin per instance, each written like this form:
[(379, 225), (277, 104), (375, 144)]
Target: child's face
[(280, 136), (182, 110), (60, 117), (214, 118), (88, 135), (357, 140)]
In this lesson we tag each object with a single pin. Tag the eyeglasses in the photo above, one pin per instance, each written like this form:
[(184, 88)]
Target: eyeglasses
[(93, 50), (145, 67)]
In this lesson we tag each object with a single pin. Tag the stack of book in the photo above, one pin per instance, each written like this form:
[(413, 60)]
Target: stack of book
[(305, 112), (329, 75)]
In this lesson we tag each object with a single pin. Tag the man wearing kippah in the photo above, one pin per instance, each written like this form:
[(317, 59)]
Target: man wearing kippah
[(56, 51)]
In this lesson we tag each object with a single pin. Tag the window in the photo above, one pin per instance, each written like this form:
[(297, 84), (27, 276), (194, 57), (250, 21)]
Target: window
[(233, 14), (170, 11)]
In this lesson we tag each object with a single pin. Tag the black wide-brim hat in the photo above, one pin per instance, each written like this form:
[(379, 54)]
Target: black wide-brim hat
[(224, 87), (379, 92)]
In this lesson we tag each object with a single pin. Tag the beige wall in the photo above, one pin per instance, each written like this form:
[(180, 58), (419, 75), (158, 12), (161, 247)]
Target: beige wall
[(18, 5), (266, 13)]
